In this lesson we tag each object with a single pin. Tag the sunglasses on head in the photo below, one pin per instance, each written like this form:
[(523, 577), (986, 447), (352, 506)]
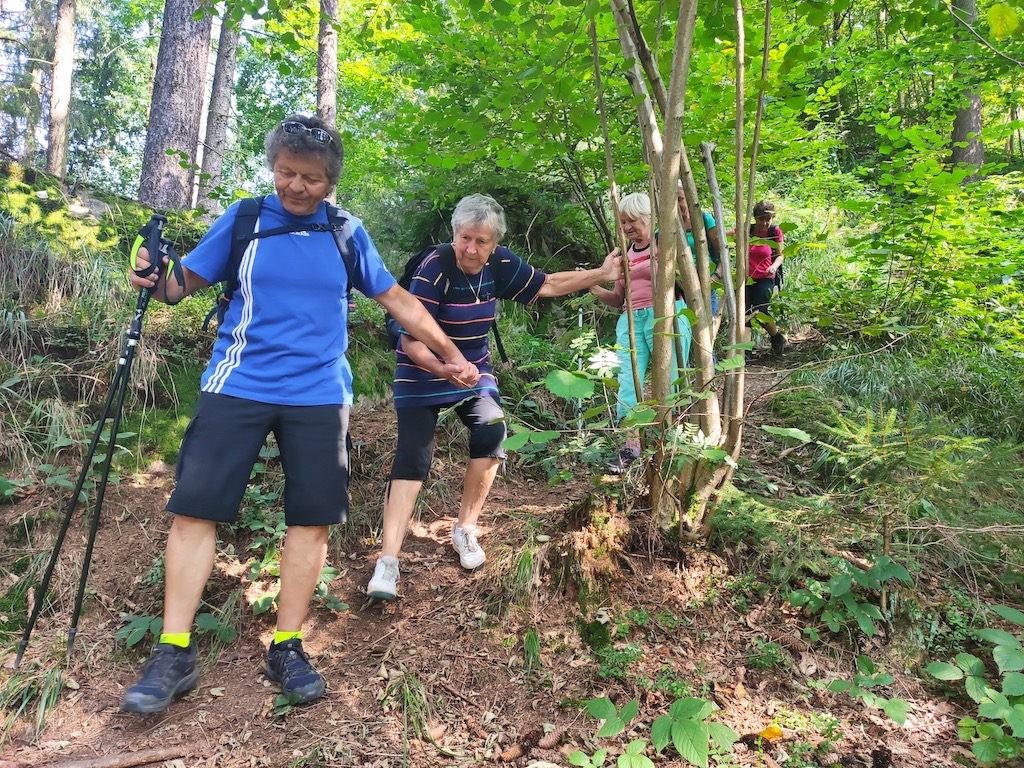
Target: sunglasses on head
[(318, 134)]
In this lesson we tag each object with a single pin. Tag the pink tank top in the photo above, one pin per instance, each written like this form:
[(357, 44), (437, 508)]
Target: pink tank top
[(640, 278)]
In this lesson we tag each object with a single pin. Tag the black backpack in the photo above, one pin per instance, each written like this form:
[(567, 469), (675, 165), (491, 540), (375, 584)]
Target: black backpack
[(448, 269), (243, 232)]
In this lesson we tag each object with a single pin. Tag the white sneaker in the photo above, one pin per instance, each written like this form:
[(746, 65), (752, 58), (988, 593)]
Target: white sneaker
[(384, 584), (470, 554)]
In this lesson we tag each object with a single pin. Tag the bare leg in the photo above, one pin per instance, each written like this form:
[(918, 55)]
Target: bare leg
[(398, 508), (305, 550), (191, 549), (480, 474)]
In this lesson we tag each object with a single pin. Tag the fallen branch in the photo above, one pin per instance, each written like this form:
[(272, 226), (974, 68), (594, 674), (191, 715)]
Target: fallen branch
[(124, 760)]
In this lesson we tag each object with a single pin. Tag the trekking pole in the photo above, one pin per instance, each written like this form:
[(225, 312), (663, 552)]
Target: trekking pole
[(579, 367), (114, 404)]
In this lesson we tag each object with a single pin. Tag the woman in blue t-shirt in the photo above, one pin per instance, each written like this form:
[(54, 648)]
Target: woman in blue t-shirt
[(464, 304), (278, 366)]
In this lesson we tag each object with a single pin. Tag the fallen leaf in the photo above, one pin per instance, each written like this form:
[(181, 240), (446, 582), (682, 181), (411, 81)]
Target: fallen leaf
[(216, 691)]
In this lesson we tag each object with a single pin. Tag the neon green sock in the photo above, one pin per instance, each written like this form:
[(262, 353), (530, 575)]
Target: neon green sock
[(281, 637), (180, 639)]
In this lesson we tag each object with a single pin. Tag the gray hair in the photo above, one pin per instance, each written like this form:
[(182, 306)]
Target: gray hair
[(330, 153), (636, 206), (479, 210)]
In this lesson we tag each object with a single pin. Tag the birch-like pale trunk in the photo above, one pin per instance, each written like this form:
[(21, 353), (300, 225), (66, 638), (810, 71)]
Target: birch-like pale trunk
[(218, 114)]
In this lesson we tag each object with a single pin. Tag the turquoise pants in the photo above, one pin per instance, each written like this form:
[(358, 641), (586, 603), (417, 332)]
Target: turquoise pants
[(643, 319)]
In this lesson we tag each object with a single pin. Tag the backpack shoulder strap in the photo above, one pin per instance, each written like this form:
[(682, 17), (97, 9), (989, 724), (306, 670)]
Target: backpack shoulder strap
[(340, 225), (246, 216)]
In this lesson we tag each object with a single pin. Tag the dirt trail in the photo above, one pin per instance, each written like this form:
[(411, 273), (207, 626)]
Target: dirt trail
[(446, 663)]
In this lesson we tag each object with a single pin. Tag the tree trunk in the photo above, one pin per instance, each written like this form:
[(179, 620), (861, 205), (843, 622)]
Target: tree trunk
[(175, 112), (327, 64), (967, 147), (60, 89), (218, 114)]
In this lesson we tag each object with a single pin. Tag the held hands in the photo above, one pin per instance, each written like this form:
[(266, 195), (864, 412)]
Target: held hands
[(461, 372), (612, 267)]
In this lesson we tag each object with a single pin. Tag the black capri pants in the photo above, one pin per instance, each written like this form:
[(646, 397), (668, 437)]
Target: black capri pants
[(482, 416), (759, 295)]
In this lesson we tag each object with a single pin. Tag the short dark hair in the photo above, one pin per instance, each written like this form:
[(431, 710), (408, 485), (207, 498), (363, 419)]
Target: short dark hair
[(302, 143)]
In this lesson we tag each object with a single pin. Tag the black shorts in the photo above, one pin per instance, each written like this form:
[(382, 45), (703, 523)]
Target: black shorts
[(224, 439), (482, 416), (759, 295)]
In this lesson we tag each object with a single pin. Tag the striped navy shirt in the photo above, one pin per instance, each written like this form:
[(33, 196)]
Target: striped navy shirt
[(464, 307)]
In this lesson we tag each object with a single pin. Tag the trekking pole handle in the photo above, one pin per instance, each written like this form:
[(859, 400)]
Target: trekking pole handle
[(156, 226), (156, 230)]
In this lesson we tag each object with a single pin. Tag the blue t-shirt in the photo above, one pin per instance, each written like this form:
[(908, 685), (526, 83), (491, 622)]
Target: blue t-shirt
[(464, 307), (285, 334)]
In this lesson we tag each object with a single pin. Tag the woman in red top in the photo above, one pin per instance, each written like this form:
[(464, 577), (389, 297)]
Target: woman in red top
[(765, 260)]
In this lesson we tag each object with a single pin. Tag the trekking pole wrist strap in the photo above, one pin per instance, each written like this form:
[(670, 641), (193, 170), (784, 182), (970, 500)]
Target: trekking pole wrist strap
[(158, 247)]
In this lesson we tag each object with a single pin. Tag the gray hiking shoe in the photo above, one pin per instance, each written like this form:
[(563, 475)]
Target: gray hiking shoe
[(169, 672), (384, 582)]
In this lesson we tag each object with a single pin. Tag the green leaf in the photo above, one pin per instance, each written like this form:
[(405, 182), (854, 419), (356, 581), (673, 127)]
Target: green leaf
[(998, 637), (865, 665), (600, 709), (840, 584), (629, 711), (986, 751), (612, 727), (516, 442), (1008, 659), (897, 710), (578, 758), (691, 741), (730, 363), (995, 710), (990, 731), (972, 665), (1003, 20), (689, 708), (940, 670), (546, 436), (1010, 614), (207, 622), (661, 732), (640, 418), (262, 605), (722, 736), (839, 686), (978, 688), (796, 434), (569, 385), (1013, 684)]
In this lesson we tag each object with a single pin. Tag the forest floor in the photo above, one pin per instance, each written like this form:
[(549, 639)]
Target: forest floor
[(440, 677)]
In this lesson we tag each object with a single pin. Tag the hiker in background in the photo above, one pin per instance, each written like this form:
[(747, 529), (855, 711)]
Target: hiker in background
[(635, 219), (714, 247), (763, 265), (279, 366), (463, 300)]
